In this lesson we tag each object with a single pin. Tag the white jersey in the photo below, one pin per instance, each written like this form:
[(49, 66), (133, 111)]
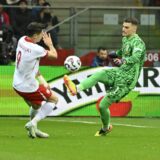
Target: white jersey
[(28, 55)]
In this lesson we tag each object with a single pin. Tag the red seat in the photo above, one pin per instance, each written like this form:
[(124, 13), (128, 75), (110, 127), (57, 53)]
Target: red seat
[(87, 58)]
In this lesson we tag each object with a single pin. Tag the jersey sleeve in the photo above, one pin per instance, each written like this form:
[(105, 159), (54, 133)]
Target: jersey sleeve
[(119, 51), (39, 52)]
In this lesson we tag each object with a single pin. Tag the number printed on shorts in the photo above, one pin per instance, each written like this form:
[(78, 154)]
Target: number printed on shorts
[(18, 58)]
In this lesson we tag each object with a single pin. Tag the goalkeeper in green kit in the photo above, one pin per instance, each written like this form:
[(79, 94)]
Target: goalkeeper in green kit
[(119, 80)]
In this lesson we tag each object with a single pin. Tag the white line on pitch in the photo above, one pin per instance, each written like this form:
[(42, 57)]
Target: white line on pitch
[(132, 125), (89, 122), (116, 124)]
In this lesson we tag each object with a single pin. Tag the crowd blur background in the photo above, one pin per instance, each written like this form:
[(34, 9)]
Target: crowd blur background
[(79, 27)]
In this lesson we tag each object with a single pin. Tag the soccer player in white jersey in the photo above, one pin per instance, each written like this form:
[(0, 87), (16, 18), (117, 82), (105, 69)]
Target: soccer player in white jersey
[(28, 82)]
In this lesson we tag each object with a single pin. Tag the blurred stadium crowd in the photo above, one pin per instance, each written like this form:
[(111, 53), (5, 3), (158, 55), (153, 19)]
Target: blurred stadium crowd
[(13, 22)]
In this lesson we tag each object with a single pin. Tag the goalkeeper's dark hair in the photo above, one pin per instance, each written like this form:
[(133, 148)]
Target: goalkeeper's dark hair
[(132, 20), (34, 28)]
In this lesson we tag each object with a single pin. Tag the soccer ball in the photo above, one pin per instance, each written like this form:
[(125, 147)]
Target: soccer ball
[(72, 63)]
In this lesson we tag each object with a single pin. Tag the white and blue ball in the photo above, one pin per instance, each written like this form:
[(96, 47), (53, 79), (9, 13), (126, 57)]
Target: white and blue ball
[(72, 63)]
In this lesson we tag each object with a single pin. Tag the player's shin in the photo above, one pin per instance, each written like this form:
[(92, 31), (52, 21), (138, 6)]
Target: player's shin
[(32, 112), (105, 118), (105, 113), (43, 112)]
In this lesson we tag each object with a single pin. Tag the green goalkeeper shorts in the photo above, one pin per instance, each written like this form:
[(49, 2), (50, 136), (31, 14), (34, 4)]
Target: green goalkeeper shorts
[(118, 88), (116, 93)]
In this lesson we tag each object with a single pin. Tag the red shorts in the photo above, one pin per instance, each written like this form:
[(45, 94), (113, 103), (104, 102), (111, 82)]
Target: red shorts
[(37, 97)]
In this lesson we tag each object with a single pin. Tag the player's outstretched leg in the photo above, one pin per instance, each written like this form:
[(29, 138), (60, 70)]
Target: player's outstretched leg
[(102, 132), (70, 85), (31, 129), (38, 132), (43, 112)]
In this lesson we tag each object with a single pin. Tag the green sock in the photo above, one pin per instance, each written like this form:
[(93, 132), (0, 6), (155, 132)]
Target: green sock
[(80, 87), (105, 113), (92, 80)]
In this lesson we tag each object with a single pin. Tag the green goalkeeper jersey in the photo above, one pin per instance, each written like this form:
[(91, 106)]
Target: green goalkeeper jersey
[(133, 53)]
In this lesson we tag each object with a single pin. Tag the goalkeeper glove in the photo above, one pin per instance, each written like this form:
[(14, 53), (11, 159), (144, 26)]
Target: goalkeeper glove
[(112, 54), (119, 62)]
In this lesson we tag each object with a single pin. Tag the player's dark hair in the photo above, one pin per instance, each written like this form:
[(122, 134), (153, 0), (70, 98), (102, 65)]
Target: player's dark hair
[(101, 48), (131, 20), (35, 28)]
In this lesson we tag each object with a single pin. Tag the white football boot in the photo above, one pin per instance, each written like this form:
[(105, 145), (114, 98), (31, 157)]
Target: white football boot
[(41, 134), (31, 129)]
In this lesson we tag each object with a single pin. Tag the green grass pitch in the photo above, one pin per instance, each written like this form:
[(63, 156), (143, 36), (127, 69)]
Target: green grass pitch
[(73, 139)]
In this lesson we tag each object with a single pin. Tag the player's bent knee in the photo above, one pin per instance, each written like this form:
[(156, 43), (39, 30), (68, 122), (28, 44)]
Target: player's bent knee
[(36, 106), (53, 99), (56, 100), (105, 103)]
